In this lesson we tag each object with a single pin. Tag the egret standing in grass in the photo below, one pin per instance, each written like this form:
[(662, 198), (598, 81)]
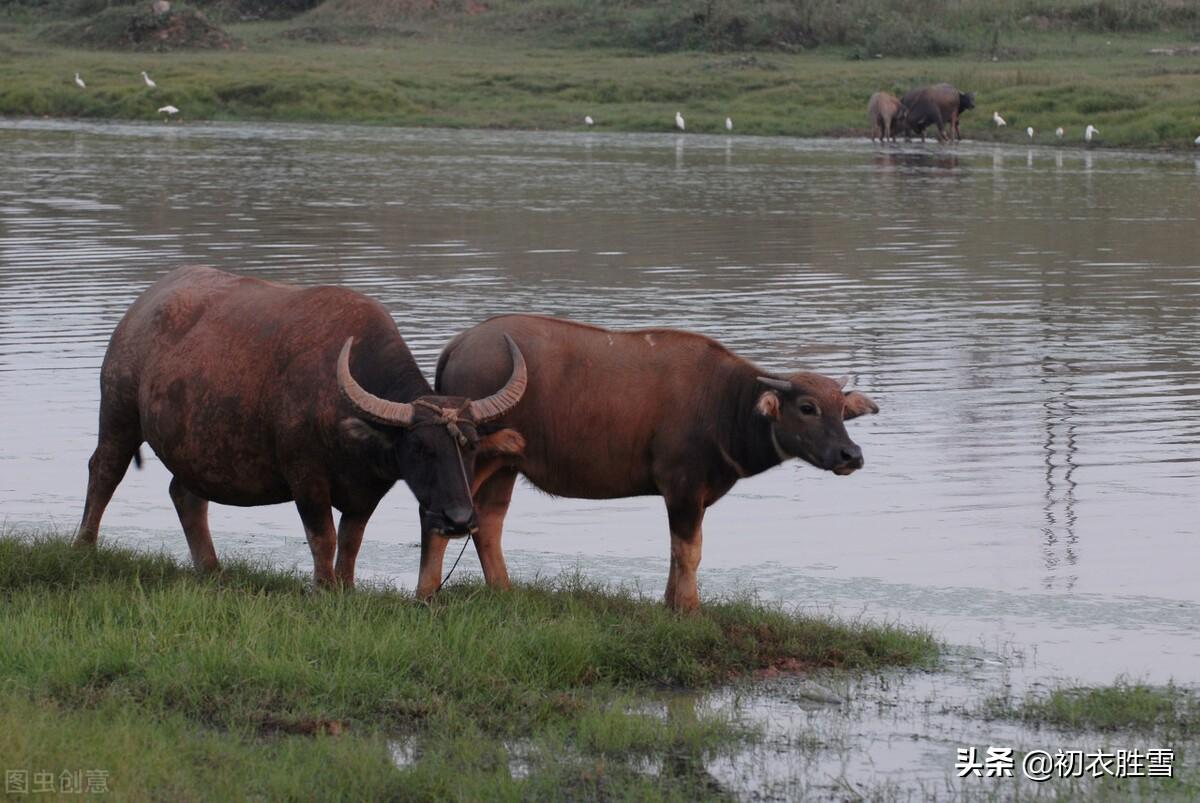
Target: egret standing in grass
[(587, 119), (1090, 132), (997, 119), (682, 126), (1198, 140), (79, 82), (728, 123), (149, 81), (1029, 131), (1058, 132), (168, 110)]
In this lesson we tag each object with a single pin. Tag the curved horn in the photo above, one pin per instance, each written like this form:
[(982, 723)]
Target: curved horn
[(507, 397), (781, 385), (381, 411)]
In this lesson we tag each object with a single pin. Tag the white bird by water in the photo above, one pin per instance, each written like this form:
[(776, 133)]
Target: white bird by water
[(587, 118), (997, 119), (1198, 140), (682, 126), (1090, 132), (1029, 131), (168, 110), (1058, 132), (728, 123), (149, 81), (79, 82)]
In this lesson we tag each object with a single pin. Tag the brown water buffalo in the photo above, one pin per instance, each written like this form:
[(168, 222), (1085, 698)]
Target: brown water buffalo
[(887, 115), (254, 393), (653, 412), (940, 105)]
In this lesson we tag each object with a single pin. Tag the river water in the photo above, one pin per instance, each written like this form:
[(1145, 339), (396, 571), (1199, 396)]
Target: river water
[(1027, 319)]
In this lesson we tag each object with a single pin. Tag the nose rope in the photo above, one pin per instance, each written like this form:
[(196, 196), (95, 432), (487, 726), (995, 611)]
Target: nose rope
[(443, 417), (462, 466)]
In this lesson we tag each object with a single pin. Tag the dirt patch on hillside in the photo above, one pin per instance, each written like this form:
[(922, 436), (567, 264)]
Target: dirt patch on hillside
[(123, 29)]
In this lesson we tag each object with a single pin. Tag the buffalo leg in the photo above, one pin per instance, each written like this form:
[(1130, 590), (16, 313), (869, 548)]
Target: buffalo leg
[(193, 515), (322, 538), (349, 539), (686, 540), (433, 555), (106, 469), (491, 504)]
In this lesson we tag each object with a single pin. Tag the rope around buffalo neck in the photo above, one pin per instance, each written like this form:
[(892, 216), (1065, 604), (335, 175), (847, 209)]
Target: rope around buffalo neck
[(462, 467)]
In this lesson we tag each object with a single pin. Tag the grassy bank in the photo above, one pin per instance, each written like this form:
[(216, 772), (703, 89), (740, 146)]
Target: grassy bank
[(252, 686), (464, 79)]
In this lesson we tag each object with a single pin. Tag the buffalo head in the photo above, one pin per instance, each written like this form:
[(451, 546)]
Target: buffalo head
[(428, 442), (806, 413), (966, 100)]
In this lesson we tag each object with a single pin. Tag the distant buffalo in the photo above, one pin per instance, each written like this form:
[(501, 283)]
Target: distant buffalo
[(887, 116), (654, 412), (940, 105), (254, 393)]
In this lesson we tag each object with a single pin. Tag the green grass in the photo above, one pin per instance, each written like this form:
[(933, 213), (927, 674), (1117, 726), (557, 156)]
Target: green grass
[(1122, 706), (468, 78), (1123, 716), (250, 684)]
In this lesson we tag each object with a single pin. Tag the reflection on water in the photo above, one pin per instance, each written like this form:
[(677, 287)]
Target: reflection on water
[(1029, 327)]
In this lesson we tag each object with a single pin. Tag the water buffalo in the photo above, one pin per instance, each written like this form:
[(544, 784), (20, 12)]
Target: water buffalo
[(887, 115), (653, 412), (940, 105), (249, 392)]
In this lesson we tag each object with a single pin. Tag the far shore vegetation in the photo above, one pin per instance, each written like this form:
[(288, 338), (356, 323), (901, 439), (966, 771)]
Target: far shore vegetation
[(250, 685), (1131, 68)]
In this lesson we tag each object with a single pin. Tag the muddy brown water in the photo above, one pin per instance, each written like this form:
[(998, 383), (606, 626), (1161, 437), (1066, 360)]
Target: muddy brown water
[(1027, 319)]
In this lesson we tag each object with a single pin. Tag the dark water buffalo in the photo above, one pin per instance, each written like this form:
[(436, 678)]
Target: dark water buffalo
[(887, 115), (250, 393), (940, 105), (654, 412)]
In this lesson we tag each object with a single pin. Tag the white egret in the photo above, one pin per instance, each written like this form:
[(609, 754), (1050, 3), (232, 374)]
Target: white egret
[(79, 82), (1198, 140), (728, 123), (149, 81), (587, 118), (168, 110), (682, 126), (1090, 132), (1029, 131), (1058, 132), (997, 119)]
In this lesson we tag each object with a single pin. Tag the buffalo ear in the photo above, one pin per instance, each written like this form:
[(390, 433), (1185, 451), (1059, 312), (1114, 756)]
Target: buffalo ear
[(362, 434), (503, 443), (858, 404), (768, 405)]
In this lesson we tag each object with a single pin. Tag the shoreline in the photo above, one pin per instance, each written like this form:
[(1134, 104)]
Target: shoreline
[(931, 147), (1137, 98)]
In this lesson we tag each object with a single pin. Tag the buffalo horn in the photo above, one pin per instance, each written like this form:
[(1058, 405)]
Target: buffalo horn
[(781, 385), (507, 397), (381, 411)]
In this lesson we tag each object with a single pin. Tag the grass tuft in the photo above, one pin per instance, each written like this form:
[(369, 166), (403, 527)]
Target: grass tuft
[(1124, 705)]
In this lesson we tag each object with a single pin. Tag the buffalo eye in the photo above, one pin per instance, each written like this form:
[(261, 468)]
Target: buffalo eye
[(807, 408)]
